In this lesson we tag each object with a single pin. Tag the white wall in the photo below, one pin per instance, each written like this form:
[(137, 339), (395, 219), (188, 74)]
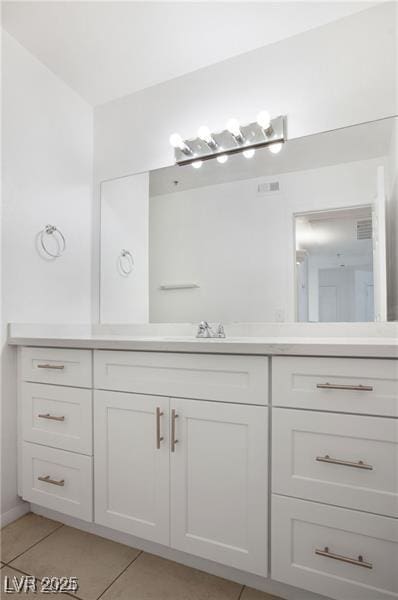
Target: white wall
[(332, 76), (238, 245), (47, 178), (124, 225), (336, 75)]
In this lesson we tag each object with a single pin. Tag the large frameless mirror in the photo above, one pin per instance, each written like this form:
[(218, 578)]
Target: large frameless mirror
[(294, 236)]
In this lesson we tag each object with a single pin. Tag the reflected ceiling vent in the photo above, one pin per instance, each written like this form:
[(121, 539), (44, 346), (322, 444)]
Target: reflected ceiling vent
[(364, 229), (268, 188)]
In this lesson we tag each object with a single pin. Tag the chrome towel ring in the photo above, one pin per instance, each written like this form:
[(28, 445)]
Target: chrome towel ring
[(59, 240), (126, 262)]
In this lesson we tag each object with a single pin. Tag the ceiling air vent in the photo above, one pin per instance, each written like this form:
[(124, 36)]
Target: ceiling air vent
[(269, 187), (364, 229)]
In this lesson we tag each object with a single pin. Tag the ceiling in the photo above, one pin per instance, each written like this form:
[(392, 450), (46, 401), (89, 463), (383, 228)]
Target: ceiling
[(334, 234), (105, 50)]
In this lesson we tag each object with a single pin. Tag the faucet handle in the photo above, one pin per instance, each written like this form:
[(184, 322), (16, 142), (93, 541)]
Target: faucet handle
[(220, 331), (203, 329)]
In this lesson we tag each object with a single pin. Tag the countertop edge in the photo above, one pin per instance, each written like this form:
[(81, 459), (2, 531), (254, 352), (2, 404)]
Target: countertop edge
[(305, 348)]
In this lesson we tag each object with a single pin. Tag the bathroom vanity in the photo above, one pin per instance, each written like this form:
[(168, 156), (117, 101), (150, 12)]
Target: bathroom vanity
[(269, 456), (272, 462)]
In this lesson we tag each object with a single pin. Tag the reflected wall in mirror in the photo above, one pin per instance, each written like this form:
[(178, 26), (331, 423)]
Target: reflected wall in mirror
[(241, 241)]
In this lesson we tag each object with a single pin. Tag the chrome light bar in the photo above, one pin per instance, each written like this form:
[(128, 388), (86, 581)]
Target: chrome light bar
[(241, 138)]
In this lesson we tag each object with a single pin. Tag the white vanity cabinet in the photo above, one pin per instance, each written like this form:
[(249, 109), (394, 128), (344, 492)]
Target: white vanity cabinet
[(335, 476), (219, 482), (55, 425), (174, 448), (184, 464), (190, 474), (132, 485)]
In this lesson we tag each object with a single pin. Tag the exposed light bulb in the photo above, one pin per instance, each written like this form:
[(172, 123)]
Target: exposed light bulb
[(197, 164), (176, 140), (204, 134), (222, 158), (234, 127), (249, 153), (264, 119), (275, 148)]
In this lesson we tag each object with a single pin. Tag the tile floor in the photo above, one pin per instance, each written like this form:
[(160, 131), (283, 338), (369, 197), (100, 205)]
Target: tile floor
[(40, 547)]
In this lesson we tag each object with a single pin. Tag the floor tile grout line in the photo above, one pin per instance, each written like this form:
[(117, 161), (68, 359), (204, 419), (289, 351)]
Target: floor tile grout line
[(120, 574), (241, 592), (33, 545)]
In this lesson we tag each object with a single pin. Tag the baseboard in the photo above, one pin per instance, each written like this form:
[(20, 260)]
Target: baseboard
[(14, 514), (267, 585)]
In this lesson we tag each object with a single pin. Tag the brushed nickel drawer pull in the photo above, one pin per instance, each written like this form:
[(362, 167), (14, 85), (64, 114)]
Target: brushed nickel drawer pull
[(345, 463), (359, 562), (47, 366), (174, 416), (159, 437), (337, 386), (47, 479), (51, 417)]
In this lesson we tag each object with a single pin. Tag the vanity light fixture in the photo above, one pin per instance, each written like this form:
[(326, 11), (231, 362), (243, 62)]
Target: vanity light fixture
[(249, 153), (264, 120), (235, 139), (177, 142), (205, 135), (235, 130), (275, 148)]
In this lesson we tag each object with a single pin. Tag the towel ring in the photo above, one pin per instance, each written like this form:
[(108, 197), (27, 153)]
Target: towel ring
[(58, 236), (126, 262)]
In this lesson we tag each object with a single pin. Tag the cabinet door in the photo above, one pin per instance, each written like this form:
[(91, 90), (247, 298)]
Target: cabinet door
[(132, 464), (219, 482)]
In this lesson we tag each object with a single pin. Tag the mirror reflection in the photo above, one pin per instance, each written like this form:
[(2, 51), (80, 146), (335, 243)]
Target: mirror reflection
[(299, 235), (334, 272)]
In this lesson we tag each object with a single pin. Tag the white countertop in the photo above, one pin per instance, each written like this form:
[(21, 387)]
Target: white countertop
[(166, 338)]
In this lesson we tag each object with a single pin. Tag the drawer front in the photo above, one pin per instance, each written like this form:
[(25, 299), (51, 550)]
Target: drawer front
[(345, 460), (58, 366), (340, 553), (368, 386), (242, 379), (59, 480), (57, 416)]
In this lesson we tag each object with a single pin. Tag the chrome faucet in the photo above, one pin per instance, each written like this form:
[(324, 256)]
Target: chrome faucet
[(206, 331)]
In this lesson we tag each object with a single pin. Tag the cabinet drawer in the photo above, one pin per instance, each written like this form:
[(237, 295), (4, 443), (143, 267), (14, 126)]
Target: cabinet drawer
[(368, 386), (334, 551), (57, 366), (345, 460), (57, 416), (242, 379), (59, 480)]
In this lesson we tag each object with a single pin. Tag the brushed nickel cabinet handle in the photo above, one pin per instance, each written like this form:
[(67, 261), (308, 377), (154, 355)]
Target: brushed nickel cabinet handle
[(337, 386), (47, 479), (174, 416), (345, 463), (51, 417), (47, 366), (159, 437), (359, 562)]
